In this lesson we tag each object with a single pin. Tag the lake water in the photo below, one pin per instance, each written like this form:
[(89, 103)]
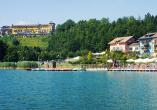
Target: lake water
[(28, 90)]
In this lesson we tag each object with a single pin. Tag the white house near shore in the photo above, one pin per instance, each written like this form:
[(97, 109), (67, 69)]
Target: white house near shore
[(121, 43), (125, 44)]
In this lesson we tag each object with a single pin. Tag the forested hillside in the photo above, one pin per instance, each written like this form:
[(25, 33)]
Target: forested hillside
[(75, 38), (95, 34)]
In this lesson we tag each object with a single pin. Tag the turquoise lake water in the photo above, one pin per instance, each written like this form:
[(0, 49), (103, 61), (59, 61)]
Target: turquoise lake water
[(28, 90)]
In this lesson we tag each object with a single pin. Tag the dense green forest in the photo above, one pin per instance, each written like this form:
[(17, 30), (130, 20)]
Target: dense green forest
[(78, 38), (72, 38)]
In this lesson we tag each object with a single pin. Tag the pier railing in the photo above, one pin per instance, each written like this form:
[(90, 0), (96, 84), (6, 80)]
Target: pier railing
[(135, 67)]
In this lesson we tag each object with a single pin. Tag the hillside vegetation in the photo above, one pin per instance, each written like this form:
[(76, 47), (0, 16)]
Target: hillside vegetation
[(34, 41), (41, 42), (94, 35), (75, 39)]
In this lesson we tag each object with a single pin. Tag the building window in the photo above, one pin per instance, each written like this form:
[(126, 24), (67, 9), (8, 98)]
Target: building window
[(113, 48), (117, 49), (136, 48)]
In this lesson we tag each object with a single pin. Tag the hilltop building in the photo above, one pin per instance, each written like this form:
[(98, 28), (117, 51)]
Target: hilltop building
[(6, 30), (121, 43), (28, 30)]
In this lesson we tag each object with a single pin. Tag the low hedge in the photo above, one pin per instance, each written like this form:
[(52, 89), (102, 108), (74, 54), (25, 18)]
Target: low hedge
[(7, 64), (27, 64)]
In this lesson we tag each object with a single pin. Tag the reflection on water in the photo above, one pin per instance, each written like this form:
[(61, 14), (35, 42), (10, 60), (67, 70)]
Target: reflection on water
[(24, 90)]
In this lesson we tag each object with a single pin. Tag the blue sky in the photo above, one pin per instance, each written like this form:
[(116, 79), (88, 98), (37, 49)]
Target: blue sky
[(58, 11)]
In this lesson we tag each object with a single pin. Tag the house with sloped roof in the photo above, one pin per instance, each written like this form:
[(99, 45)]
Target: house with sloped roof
[(121, 43), (148, 44), (134, 47)]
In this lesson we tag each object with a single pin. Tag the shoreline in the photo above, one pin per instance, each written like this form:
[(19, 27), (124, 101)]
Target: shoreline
[(14, 68), (78, 69), (55, 69), (96, 69), (132, 70)]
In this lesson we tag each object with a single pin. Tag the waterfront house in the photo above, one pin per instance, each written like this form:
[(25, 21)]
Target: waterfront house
[(148, 44), (121, 43), (134, 47)]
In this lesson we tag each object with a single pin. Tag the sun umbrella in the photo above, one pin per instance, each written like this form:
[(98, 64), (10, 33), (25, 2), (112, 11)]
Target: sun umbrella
[(130, 60), (146, 60), (109, 61), (139, 60)]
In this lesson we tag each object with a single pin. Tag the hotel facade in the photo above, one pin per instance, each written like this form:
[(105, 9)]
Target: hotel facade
[(148, 44), (28, 30)]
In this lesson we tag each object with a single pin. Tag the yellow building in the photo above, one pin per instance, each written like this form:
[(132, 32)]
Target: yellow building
[(27, 30)]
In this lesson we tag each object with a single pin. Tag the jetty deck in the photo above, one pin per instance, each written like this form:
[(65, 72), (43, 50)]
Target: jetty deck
[(57, 69), (142, 70)]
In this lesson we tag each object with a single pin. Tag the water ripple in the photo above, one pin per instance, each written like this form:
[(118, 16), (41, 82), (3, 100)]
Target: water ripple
[(27, 90)]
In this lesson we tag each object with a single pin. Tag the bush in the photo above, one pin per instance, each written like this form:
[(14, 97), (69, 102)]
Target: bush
[(7, 64), (27, 64), (15, 42)]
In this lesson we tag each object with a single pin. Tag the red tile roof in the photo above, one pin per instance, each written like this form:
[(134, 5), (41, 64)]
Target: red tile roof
[(120, 40), (149, 35)]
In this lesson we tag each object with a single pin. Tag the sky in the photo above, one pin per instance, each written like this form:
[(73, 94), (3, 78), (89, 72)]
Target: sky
[(58, 11)]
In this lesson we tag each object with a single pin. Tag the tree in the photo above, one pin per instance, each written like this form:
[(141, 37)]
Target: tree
[(89, 57), (76, 38), (15, 41), (3, 48), (105, 57), (11, 54), (95, 34)]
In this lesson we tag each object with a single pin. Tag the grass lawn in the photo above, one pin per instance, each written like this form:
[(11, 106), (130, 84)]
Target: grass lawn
[(7, 40), (34, 41), (41, 41), (68, 65)]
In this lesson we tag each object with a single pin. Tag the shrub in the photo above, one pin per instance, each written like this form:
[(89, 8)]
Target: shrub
[(27, 64), (7, 64)]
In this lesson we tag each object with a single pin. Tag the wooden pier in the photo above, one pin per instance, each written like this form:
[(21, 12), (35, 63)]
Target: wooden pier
[(58, 69), (138, 70)]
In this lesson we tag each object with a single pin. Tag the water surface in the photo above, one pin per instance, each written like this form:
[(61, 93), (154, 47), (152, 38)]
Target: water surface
[(28, 90)]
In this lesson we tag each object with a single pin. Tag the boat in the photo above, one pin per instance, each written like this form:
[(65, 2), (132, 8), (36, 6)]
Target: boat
[(44, 69), (79, 69), (38, 69)]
